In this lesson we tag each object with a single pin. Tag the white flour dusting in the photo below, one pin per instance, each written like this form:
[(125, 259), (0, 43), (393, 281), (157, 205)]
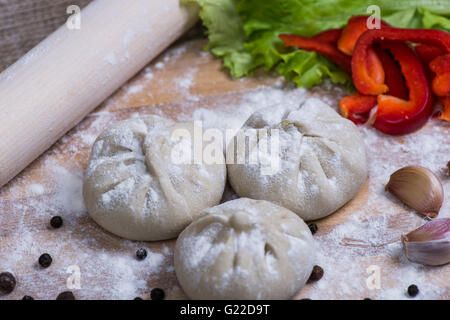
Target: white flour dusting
[(374, 232), (135, 89), (185, 82), (159, 65), (368, 236), (36, 189)]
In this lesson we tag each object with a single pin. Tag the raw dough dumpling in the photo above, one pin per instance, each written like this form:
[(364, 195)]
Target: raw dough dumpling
[(134, 189), (322, 160), (244, 249)]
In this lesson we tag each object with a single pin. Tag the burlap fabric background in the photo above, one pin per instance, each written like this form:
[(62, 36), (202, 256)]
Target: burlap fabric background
[(24, 23)]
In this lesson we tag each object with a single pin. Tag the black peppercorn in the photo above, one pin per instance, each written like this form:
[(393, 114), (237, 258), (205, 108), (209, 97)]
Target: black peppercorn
[(316, 274), (141, 254), (313, 227), (56, 222), (413, 290), (157, 294), (66, 295), (27, 298), (45, 260), (7, 282)]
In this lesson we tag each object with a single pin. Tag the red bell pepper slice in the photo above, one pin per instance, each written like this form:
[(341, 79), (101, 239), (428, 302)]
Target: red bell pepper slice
[(445, 115), (375, 66), (441, 82), (325, 49), (328, 49), (361, 75), (330, 36), (397, 116), (356, 107), (429, 52), (441, 85), (393, 75), (355, 27)]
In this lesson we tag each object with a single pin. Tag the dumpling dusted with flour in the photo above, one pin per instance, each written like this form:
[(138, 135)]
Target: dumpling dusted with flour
[(140, 183), (244, 249), (317, 159)]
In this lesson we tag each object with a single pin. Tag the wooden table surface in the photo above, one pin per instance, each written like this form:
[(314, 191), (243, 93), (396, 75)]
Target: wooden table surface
[(51, 186)]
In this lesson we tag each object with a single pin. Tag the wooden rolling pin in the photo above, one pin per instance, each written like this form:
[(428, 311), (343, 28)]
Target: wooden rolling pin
[(54, 86)]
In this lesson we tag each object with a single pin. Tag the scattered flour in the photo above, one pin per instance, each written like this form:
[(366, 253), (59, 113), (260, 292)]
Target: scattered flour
[(185, 82), (69, 191), (135, 89), (148, 74), (36, 189), (368, 236), (159, 65), (373, 233)]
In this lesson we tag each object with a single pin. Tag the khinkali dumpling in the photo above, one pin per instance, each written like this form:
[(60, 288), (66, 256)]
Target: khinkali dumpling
[(244, 249), (322, 160), (137, 184)]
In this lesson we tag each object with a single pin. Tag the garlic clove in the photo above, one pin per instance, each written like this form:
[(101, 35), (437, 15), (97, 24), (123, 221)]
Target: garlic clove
[(429, 244), (418, 188)]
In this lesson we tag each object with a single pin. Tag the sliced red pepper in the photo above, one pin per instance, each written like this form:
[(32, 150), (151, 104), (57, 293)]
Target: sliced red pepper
[(361, 75), (355, 27), (356, 107), (441, 85), (330, 36), (323, 44), (375, 66), (439, 63), (428, 52), (441, 82), (325, 49), (397, 116), (445, 115), (393, 75)]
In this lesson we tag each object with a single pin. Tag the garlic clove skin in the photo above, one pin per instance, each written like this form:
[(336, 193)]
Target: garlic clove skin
[(419, 188), (429, 244)]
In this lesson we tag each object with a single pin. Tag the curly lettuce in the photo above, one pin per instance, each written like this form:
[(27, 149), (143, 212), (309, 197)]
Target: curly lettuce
[(244, 33)]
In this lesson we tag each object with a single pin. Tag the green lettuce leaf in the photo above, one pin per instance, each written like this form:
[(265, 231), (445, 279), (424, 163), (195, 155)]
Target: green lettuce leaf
[(308, 68), (434, 21), (225, 33), (244, 33)]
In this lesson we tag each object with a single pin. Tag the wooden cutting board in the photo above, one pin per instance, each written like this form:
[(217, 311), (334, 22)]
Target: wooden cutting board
[(363, 234)]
